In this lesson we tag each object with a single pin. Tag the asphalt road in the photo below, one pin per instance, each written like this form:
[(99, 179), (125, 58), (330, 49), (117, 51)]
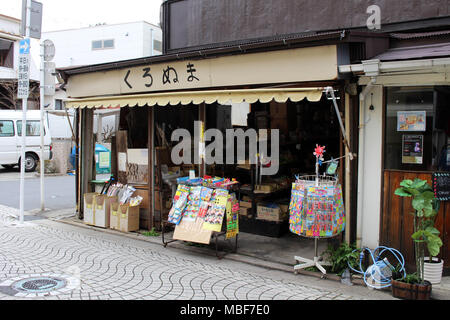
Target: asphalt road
[(59, 190)]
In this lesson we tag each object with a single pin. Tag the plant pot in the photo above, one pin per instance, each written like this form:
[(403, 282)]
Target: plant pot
[(433, 270), (411, 291)]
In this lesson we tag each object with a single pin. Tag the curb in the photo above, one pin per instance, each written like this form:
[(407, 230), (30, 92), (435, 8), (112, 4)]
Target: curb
[(50, 174), (243, 258)]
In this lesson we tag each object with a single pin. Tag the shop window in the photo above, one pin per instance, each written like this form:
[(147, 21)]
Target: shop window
[(6, 128), (33, 128), (417, 129)]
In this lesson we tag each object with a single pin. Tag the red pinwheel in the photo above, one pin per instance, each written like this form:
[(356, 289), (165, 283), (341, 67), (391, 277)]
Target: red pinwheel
[(318, 152)]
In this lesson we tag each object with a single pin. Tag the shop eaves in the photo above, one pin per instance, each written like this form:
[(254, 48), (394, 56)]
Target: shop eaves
[(249, 46)]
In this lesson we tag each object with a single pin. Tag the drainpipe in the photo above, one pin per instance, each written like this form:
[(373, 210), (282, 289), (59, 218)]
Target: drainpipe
[(362, 117)]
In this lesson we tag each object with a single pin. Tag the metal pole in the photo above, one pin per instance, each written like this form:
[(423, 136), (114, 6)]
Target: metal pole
[(24, 128), (42, 93), (330, 90), (151, 36)]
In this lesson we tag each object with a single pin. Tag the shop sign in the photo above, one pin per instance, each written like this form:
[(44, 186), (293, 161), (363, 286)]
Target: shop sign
[(412, 149), (295, 65), (411, 120)]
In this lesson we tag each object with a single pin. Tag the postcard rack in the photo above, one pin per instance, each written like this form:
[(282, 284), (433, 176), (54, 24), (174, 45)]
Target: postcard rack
[(231, 243)]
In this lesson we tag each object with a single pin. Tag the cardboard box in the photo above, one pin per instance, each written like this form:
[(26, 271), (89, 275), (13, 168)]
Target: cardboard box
[(89, 208), (269, 212), (268, 187), (245, 204), (128, 218), (114, 221), (246, 212), (102, 208), (143, 192)]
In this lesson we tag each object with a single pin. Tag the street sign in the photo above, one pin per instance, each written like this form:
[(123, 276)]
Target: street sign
[(23, 79), (24, 46), (35, 19), (49, 88), (49, 50)]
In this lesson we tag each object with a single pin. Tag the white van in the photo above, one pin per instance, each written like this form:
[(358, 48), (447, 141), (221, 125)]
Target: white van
[(11, 139)]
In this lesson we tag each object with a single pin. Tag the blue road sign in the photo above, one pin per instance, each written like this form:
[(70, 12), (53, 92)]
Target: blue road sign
[(24, 46)]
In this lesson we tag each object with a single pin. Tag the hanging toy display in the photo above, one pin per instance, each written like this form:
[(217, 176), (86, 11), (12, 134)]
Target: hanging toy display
[(316, 208)]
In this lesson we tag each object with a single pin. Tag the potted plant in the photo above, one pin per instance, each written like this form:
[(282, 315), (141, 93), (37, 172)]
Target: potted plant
[(426, 208)]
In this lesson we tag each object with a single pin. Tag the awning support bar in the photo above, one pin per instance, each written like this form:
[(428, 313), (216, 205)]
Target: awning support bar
[(330, 92)]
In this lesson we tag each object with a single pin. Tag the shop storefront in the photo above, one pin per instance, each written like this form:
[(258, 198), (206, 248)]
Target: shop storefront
[(283, 90)]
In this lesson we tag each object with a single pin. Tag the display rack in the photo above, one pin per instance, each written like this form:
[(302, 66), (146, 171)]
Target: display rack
[(321, 182), (215, 235)]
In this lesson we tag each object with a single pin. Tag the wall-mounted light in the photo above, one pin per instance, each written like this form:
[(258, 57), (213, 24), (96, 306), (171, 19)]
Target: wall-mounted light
[(371, 108)]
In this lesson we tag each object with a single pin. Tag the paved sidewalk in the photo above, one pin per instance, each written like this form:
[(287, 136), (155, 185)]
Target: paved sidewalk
[(115, 265), (112, 266)]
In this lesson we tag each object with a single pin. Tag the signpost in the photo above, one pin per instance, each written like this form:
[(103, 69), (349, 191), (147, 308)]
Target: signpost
[(47, 87), (31, 19), (30, 27), (22, 93)]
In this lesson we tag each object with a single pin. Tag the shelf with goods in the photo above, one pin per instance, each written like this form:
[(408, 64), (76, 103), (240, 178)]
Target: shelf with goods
[(264, 207)]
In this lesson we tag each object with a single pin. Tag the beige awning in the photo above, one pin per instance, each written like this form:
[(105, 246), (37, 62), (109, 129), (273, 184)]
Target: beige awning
[(198, 97)]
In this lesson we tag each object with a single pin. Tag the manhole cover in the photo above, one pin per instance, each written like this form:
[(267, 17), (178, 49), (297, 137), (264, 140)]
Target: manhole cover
[(40, 284)]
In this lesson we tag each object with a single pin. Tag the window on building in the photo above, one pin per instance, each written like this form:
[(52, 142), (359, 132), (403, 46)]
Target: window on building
[(417, 134), (33, 128), (6, 53), (6, 128), (157, 45), (58, 104), (103, 44), (108, 44)]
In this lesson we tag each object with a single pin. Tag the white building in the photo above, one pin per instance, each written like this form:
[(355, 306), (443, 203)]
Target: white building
[(94, 45), (101, 44), (105, 43), (9, 59)]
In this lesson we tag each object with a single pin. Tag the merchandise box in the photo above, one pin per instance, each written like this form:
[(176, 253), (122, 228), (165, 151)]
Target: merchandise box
[(128, 218), (102, 206), (245, 204), (269, 212), (246, 212), (89, 208), (114, 221)]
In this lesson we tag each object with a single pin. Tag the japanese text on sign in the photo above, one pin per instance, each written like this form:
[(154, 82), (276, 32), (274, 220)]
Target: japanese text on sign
[(168, 76)]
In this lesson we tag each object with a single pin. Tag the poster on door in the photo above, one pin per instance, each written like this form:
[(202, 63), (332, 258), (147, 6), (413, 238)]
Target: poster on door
[(411, 120), (412, 149)]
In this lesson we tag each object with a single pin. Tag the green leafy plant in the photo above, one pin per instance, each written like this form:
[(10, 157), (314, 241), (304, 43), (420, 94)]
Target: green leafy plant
[(151, 233), (426, 209), (411, 278), (341, 257)]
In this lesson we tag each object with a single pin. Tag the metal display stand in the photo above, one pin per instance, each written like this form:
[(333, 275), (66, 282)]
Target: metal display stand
[(215, 235), (315, 180)]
